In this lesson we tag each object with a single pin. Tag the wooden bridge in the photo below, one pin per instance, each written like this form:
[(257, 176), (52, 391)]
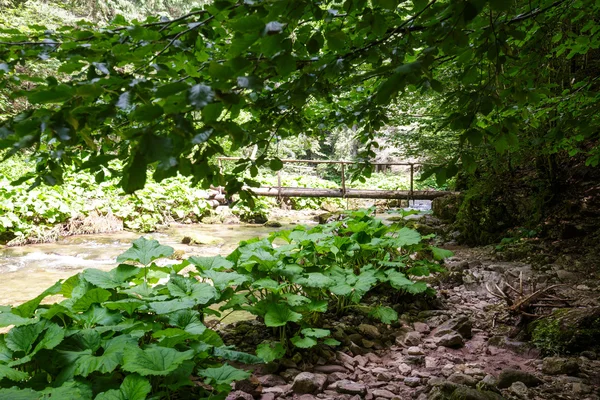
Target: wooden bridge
[(343, 191)]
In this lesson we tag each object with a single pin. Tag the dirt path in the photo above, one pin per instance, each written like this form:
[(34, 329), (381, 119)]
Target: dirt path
[(459, 351)]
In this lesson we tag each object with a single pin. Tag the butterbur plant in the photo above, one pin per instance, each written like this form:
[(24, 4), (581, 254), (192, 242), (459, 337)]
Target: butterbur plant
[(291, 279), (119, 335)]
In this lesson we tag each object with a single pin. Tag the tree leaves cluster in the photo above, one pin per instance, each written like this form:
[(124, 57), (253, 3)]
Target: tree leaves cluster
[(163, 94)]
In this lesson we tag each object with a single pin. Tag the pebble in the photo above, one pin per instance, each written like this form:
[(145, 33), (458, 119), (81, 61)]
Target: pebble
[(415, 351)]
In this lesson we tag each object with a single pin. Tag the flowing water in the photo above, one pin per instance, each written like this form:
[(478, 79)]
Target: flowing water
[(26, 271)]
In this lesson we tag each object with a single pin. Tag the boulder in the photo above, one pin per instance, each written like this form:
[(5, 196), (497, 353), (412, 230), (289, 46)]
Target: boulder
[(306, 382), (510, 376), (559, 366)]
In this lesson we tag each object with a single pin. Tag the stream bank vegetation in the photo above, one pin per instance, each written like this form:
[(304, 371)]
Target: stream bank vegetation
[(138, 331)]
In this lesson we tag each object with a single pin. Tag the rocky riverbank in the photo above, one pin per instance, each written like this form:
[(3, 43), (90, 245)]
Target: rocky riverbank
[(465, 346)]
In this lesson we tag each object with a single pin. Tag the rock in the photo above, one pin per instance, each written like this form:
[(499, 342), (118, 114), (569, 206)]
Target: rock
[(415, 359), (421, 327), (383, 393), (361, 360), (345, 358), (252, 386), (452, 340), (466, 393), (239, 395), (328, 369), (412, 339), (202, 240), (289, 374), (590, 355), (518, 389), (369, 331), (271, 380), (446, 207), (431, 362), (404, 369), (273, 224), (571, 330), (307, 397), (306, 382), (350, 387), (510, 376), (384, 376), (336, 377), (415, 351), (559, 366), (462, 379), (267, 396), (462, 325), (487, 383), (412, 381)]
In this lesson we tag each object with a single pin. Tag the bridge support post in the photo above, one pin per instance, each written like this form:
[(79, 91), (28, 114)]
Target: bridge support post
[(412, 173)]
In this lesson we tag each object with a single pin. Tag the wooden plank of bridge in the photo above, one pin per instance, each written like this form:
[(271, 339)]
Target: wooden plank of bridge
[(349, 193)]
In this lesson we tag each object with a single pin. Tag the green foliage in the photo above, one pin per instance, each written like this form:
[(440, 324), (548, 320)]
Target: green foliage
[(30, 214), (118, 335), (329, 267), (163, 94)]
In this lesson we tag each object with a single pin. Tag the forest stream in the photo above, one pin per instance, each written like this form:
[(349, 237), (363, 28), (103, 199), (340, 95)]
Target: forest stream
[(463, 339)]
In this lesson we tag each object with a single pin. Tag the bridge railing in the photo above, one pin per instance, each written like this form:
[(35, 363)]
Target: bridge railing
[(343, 191)]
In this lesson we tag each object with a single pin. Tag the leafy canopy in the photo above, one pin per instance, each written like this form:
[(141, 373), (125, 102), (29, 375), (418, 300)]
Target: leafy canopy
[(171, 94)]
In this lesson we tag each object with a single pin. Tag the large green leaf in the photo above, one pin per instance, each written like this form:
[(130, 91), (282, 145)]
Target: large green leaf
[(145, 251), (188, 320), (27, 309), (108, 280), (169, 306), (185, 287), (440, 254), (270, 351), (407, 237), (134, 387), (218, 263), (111, 357), (387, 315), (303, 342), (154, 360), (12, 374), (92, 296), (279, 314), (224, 374)]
